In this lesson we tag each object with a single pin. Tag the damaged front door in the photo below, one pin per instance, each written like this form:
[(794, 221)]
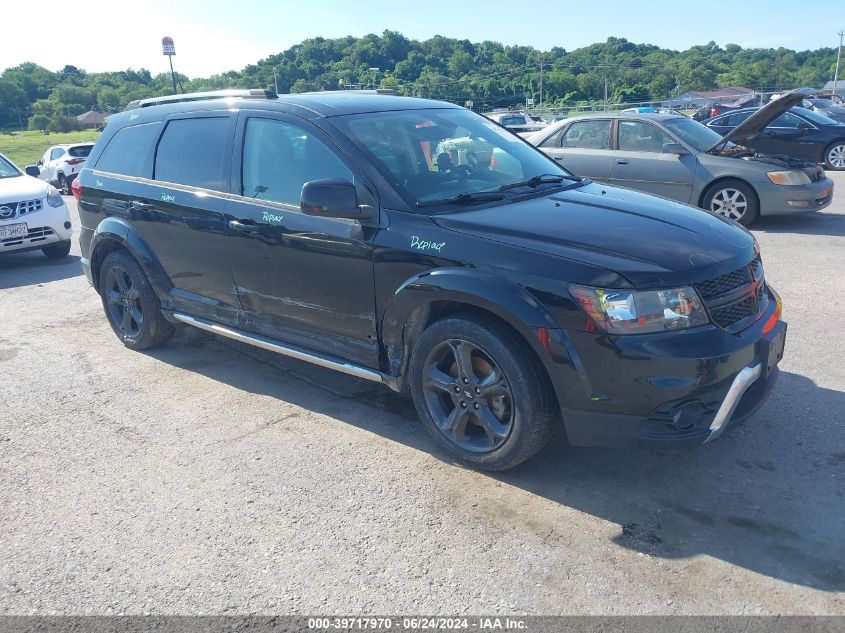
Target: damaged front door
[(300, 278)]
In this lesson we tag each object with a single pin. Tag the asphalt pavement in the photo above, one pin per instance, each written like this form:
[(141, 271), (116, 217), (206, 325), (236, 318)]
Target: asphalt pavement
[(209, 477)]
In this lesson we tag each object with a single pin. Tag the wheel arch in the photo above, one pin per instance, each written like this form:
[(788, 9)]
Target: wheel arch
[(721, 179), (115, 234), (432, 295)]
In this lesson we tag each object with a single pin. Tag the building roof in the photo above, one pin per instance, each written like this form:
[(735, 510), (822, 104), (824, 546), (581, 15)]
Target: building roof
[(92, 117)]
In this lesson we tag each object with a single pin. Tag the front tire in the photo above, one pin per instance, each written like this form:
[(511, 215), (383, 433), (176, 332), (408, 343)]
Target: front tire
[(732, 199), (482, 395), (57, 250), (131, 305), (834, 157)]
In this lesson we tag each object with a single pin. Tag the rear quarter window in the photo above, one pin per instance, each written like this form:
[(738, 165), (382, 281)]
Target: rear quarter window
[(128, 151)]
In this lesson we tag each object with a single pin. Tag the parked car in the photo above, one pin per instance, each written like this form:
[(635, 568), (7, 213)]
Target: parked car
[(827, 107), (678, 158), (505, 305), (60, 164), (33, 215), (516, 122), (797, 132)]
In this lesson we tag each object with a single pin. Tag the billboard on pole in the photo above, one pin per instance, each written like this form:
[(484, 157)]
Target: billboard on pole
[(167, 46)]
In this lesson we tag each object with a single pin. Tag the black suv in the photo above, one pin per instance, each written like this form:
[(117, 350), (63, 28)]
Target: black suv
[(417, 244)]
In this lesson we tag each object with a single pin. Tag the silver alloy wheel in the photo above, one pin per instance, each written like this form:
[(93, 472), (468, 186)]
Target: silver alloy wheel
[(836, 156), (730, 203)]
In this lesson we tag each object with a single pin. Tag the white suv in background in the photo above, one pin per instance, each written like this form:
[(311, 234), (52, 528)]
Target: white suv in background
[(60, 164), (33, 215)]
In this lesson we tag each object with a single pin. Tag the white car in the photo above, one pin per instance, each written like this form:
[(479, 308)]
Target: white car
[(33, 214), (60, 164)]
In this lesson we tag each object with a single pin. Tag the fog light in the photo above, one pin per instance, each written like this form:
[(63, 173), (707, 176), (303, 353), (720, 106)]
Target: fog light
[(799, 204)]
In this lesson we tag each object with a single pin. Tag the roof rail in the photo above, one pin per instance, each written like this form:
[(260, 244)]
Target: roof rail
[(202, 96)]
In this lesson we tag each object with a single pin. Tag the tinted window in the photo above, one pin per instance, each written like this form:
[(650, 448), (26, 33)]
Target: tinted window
[(815, 117), (80, 151), (637, 136), (128, 151), (587, 135), (191, 152), (786, 120), (280, 157), (56, 153), (513, 120)]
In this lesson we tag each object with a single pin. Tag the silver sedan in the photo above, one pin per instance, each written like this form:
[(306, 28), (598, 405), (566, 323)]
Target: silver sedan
[(678, 158)]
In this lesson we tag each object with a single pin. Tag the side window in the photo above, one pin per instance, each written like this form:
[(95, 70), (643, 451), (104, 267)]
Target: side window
[(587, 135), (638, 136), (191, 152), (786, 120), (56, 153), (128, 151), (280, 157), (554, 139)]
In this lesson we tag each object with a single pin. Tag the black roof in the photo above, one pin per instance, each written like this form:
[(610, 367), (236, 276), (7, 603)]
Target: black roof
[(308, 105)]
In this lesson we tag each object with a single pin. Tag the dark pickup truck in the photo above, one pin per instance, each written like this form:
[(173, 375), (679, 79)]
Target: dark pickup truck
[(417, 244)]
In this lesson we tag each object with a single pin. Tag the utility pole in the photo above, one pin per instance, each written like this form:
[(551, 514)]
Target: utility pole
[(541, 83), (605, 92), (838, 53)]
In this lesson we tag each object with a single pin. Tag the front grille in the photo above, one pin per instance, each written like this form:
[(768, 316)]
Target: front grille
[(11, 210), (725, 299), (727, 315), (726, 283), (33, 235)]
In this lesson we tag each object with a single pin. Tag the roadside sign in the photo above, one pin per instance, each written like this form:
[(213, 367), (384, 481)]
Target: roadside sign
[(167, 46)]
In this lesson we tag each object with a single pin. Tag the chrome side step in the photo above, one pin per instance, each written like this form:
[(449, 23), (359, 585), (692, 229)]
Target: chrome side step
[(283, 348)]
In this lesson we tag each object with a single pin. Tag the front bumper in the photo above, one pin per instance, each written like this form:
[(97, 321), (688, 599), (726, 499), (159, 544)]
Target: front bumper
[(679, 389), (787, 199), (44, 227)]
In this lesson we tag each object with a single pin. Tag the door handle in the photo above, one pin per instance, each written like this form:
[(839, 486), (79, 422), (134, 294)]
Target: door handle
[(137, 205), (243, 226), (621, 162)]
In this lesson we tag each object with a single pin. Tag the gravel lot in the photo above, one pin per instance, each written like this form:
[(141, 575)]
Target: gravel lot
[(211, 477)]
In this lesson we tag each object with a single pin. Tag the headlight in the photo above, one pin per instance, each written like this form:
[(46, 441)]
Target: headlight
[(789, 177), (54, 198), (641, 311)]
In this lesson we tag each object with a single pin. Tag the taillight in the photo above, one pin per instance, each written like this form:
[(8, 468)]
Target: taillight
[(74, 161), (76, 189)]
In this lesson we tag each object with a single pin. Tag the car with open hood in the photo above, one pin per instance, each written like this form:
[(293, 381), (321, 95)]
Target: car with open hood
[(678, 158), (795, 131), (419, 245)]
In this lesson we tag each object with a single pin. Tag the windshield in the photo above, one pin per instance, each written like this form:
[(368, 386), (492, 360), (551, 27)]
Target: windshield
[(513, 120), (695, 134), (7, 169), (434, 154), (815, 117)]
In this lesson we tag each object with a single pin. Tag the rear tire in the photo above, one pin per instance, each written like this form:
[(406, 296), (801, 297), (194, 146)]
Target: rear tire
[(130, 303), (64, 185), (57, 250), (834, 157), (482, 395), (732, 199)]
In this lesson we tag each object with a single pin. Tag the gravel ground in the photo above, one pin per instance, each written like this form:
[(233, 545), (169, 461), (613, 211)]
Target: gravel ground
[(210, 477)]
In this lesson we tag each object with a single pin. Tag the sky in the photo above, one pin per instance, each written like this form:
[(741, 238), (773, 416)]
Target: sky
[(213, 36)]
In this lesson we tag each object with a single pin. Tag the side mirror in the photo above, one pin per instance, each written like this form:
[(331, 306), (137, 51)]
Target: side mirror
[(32, 170), (332, 198), (675, 148)]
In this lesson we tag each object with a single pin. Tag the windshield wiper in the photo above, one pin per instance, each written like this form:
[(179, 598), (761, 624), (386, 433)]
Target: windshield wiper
[(464, 198), (536, 181)]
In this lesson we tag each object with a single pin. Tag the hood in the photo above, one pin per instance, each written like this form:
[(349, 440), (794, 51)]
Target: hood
[(749, 129), (22, 187), (649, 241)]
